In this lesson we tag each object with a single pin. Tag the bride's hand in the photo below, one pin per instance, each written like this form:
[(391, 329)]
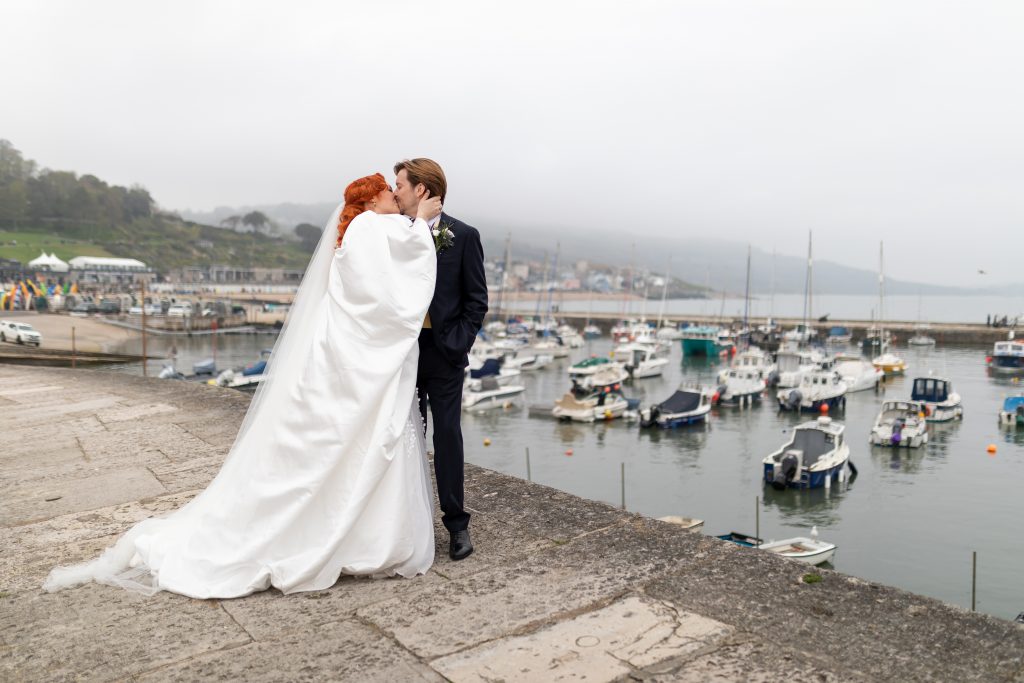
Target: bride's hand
[(429, 208)]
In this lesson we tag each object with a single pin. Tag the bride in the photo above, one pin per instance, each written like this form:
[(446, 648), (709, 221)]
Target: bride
[(327, 474)]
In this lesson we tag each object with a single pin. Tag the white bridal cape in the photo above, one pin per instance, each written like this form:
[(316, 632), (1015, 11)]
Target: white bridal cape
[(328, 473)]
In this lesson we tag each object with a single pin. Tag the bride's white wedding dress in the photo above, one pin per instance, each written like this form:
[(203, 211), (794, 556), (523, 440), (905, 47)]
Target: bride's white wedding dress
[(328, 473)]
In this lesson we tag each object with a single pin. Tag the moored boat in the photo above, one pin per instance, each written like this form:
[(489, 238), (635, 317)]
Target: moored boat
[(742, 386), (1007, 358), (815, 455), (641, 360), (1012, 414), (859, 374), (807, 550), (890, 364), (688, 405), (900, 424), (699, 340), (817, 389), (942, 404), (490, 394)]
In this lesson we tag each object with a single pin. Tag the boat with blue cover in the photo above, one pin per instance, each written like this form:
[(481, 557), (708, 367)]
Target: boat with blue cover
[(688, 405), (1008, 358)]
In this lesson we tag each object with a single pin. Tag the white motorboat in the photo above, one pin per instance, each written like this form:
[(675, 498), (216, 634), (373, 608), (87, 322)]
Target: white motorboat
[(900, 424), (753, 359), (921, 337), (742, 386), (641, 360), (591, 408), (817, 388), (591, 332), (492, 367), (609, 375), (588, 366), (801, 334), (859, 374), (596, 397), (791, 367), (570, 337), (669, 332), (839, 336), (550, 346), (813, 457), (491, 394), (941, 403), (527, 362), (1012, 414), (688, 405)]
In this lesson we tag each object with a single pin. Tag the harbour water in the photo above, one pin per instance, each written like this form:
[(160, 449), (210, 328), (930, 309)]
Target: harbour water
[(911, 518)]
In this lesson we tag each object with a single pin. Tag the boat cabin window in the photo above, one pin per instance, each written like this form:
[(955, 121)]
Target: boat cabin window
[(931, 390), (813, 442)]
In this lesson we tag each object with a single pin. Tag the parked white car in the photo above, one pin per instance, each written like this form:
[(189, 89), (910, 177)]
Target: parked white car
[(19, 333), (151, 309), (179, 311)]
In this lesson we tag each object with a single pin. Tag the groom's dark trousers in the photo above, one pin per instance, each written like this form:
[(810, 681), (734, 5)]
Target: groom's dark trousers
[(456, 313)]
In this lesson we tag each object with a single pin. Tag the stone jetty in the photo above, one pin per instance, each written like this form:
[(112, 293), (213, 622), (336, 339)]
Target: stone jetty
[(560, 588)]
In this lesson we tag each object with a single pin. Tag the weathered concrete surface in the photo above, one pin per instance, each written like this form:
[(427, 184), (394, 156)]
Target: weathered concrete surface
[(560, 588)]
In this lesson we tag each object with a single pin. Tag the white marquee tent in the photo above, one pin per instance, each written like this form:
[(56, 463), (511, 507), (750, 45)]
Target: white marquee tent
[(51, 262)]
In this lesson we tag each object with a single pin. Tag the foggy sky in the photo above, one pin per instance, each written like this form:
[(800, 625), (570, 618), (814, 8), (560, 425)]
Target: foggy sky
[(751, 121)]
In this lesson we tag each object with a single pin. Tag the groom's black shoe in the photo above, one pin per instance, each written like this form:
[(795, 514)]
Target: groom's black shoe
[(461, 546)]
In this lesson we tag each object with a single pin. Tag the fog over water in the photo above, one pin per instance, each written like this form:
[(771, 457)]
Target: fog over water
[(751, 121)]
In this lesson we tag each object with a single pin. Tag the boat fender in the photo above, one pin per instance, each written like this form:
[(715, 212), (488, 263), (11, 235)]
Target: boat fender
[(773, 378), (853, 470)]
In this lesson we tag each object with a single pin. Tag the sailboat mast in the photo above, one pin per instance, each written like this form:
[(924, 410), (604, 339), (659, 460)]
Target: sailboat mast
[(554, 281), (881, 292), (504, 276), (810, 284), (544, 286), (746, 295), (629, 292), (664, 292), (771, 299), (807, 279)]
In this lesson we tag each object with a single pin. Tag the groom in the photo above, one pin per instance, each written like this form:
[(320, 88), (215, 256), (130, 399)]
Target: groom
[(455, 315)]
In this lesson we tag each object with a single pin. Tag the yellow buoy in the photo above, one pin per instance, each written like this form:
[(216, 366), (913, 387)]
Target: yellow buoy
[(487, 442)]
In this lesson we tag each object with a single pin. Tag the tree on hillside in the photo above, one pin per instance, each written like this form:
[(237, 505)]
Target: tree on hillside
[(258, 220), (232, 222), (309, 234)]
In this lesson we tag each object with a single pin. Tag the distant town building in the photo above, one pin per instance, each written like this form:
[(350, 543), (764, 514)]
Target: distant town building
[(222, 274), (107, 270)]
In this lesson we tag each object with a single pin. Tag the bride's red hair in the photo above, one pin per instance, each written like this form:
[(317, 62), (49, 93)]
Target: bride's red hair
[(358, 195)]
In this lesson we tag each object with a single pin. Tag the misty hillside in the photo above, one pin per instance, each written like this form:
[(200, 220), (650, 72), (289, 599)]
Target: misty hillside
[(718, 262)]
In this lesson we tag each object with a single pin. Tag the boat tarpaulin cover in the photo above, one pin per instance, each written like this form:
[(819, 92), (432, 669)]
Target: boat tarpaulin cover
[(680, 402)]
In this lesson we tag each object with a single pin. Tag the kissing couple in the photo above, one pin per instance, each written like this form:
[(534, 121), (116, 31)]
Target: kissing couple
[(328, 473)]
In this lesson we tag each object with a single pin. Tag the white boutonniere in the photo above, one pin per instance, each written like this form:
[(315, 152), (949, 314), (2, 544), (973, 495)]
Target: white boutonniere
[(444, 238)]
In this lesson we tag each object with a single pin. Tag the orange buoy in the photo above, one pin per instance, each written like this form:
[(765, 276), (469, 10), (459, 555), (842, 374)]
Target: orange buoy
[(568, 451), (824, 409), (991, 449)]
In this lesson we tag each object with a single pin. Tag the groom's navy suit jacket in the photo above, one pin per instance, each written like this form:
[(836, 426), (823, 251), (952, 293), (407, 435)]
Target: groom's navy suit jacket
[(460, 293)]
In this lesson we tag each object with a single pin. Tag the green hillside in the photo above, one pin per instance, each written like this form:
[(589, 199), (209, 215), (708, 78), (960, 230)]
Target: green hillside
[(70, 215)]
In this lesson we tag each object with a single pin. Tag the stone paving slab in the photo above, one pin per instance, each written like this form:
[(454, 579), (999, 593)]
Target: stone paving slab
[(550, 570), (601, 645), (52, 497), (96, 633)]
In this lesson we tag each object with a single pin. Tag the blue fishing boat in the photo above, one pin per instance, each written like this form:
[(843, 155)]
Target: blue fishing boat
[(1008, 358)]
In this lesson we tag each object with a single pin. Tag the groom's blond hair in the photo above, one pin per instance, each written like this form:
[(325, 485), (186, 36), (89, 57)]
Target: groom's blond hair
[(426, 171)]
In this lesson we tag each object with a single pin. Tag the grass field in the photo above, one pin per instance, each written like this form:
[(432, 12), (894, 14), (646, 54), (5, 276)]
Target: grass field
[(31, 244)]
